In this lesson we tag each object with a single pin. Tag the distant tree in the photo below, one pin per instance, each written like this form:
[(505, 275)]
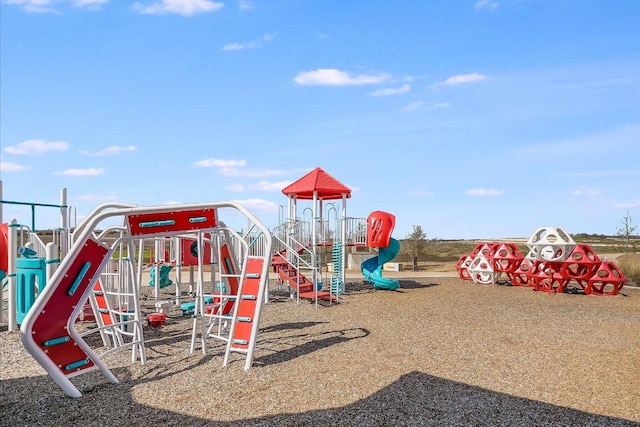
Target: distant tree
[(416, 242), (625, 234)]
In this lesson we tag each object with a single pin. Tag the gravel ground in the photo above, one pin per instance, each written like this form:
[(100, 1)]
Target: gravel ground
[(438, 351)]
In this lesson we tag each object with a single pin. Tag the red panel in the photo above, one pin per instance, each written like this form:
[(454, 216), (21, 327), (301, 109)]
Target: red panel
[(247, 307), (4, 247), (170, 221), (379, 228), (462, 266), (51, 323), (607, 280), (101, 301), (505, 257), (188, 258)]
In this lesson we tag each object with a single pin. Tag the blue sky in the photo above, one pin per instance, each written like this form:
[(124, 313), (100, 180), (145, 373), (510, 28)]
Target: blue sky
[(473, 119)]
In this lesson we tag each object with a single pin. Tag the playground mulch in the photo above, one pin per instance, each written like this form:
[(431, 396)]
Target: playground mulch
[(438, 351)]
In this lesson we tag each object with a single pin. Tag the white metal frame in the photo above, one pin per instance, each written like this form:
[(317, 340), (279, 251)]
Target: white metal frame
[(84, 234)]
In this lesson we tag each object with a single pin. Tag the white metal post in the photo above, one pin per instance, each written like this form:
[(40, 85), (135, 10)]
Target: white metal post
[(157, 247), (314, 243), (51, 259), (64, 224), (178, 257), (343, 237), (11, 273)]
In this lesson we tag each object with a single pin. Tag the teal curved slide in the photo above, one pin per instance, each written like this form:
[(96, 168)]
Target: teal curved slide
[(372, 267)]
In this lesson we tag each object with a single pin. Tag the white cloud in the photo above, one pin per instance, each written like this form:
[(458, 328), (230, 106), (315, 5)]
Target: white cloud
[(627, 205), (180, 7), (37, 146), (486, 4), (391, 91), (240, 46), (270, 186), (82, 172), (333, 77), (45, 6), (235, 168), (586, 192), (439, 105), (236, 188), (110, 151), (33, 6), (412, 107), (219, 163), (12, 167), (463, 79), (92, 4), (253, 173), (248, 45), (246, 4), (264, 186), (481, 192)]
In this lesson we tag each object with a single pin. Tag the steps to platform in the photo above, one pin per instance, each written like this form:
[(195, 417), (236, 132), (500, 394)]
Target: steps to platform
[(300, 286)]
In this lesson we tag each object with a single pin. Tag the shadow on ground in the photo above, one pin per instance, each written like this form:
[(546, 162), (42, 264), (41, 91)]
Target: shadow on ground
[(430, 401), (304, 343), (363, 286)]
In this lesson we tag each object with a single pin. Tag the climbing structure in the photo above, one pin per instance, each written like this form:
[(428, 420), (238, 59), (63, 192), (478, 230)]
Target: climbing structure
[(48, 330), (553, 262), (299, 242)]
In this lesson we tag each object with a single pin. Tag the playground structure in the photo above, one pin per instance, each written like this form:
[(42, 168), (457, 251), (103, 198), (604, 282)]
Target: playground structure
[(48, 331), (303, 246), (379, 228), (553, 262), (27, 264), (94, 271), (300, 244)]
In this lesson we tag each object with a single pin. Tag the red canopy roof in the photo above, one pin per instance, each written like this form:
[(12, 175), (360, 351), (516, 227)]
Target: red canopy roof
[(327, 187)]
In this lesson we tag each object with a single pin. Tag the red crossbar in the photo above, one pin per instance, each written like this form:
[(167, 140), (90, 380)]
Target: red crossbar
[(169, 221)]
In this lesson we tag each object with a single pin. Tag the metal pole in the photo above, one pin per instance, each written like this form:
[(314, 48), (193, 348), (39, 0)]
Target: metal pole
[(12, 249), (343, 236), (64, 223), (51, 259), (178, 256)]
